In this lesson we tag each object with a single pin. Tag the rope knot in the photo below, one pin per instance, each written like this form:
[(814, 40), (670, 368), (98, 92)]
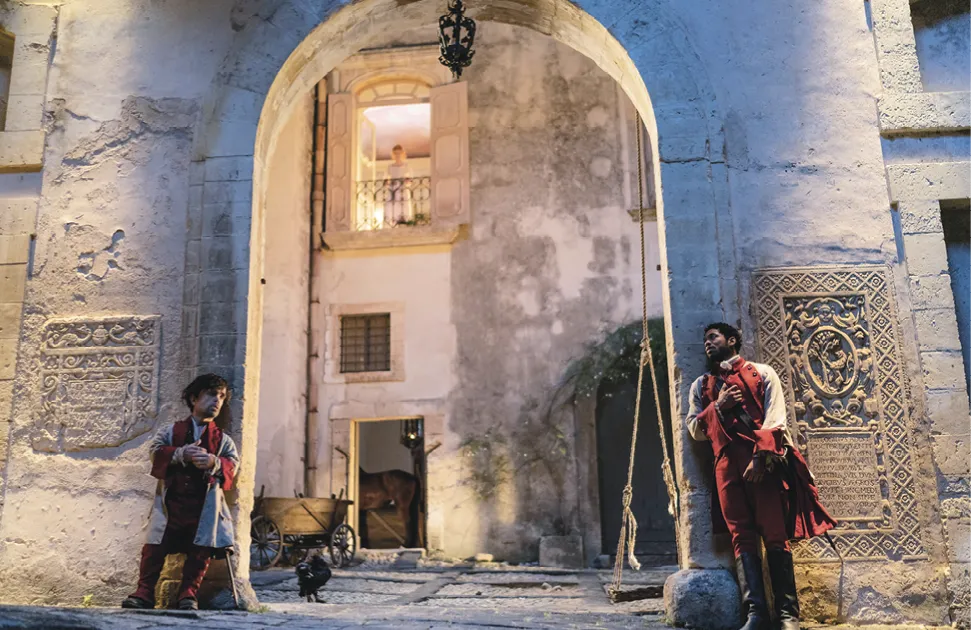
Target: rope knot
[(627, 496)]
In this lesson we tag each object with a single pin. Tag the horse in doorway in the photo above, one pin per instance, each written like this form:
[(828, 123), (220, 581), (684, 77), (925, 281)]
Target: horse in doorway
[(381, 489)]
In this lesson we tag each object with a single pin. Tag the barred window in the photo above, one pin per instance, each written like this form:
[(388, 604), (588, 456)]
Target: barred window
[(366, 343)]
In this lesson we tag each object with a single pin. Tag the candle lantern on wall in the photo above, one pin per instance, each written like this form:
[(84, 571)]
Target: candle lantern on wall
[(411, 433), (456, 35)]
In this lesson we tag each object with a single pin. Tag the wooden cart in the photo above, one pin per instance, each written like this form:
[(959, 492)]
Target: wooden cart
[(295, 527)]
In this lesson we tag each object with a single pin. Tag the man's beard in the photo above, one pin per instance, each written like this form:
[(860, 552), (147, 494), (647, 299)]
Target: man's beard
[(714, 361)]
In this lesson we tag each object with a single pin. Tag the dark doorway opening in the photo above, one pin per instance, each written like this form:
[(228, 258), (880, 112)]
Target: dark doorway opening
[(656, 544), (391, 484)]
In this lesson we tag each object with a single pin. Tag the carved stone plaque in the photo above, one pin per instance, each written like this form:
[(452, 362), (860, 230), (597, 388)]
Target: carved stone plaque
[(99, 382), (848, 476), (831, 334)]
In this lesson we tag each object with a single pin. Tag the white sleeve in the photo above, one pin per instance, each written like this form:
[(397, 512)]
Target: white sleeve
[(695, 429), (775, 400)]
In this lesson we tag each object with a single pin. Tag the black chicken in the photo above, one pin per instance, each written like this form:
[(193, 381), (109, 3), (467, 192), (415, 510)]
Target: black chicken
[(312, 576)]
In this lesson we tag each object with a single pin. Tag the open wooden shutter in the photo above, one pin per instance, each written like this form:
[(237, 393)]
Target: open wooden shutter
[(450, 154), (340, 151)]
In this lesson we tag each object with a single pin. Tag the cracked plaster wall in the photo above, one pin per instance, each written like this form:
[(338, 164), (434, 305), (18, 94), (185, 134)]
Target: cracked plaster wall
[(122, 103), (765, 116), (550, 264)]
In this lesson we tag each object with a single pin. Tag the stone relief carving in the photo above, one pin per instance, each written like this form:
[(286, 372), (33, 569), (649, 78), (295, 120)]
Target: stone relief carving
[(831, 334), (99, 382)]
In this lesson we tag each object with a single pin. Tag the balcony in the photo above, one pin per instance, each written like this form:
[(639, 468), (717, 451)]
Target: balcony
[(392, 213), (389, 203)]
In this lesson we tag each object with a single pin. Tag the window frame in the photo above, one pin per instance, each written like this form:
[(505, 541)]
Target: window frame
[(333, 346)]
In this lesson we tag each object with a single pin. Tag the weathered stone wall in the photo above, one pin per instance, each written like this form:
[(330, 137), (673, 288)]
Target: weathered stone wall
[(769, 155)]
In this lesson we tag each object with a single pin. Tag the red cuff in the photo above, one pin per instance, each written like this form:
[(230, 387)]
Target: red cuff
[(227, 473), (161, 461), (769, 440)]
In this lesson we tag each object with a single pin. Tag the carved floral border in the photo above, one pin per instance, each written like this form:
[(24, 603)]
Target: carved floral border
[(902, 540)]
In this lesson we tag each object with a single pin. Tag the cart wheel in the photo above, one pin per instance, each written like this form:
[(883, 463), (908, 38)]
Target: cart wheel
[(343, 544), (266, 544)]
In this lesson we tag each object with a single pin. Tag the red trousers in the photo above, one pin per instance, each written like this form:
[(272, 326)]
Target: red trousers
[(750, 509), (177, 539)]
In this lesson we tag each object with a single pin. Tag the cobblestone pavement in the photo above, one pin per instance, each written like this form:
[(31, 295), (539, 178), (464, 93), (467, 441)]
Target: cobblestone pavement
[(380, 595)]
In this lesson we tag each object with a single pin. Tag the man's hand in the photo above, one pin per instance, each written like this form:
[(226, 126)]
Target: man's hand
[(200, 457), (728, 397), (755, 470)]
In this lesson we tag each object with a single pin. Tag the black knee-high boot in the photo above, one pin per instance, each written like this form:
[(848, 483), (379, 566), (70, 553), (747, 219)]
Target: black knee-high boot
[(749, 568), (784, 588)]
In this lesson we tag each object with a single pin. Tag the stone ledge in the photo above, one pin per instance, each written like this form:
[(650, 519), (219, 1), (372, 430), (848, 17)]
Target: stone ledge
[(21, 150), (405, 236), (937, 180), (902, 113)]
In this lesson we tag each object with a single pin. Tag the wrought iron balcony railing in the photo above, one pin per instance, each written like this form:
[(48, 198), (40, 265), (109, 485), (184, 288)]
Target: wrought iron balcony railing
[(387, 203)]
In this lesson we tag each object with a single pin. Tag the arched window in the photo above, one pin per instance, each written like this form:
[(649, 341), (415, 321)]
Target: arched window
[(397, 144)]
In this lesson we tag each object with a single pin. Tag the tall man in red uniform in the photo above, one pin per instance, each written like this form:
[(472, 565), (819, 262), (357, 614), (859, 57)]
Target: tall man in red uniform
[(764, 487), (194, 462)]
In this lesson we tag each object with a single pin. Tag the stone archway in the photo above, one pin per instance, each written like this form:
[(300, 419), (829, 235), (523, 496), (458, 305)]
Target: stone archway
[(276, 59)]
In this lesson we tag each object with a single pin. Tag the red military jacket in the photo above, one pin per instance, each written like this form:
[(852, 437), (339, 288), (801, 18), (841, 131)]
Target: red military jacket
[(806, 516)]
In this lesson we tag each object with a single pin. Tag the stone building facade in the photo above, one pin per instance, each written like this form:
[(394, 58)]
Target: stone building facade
[(160, 202)]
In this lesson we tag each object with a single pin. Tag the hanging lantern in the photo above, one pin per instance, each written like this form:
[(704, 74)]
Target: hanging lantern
[(411, 433), (456, 47)]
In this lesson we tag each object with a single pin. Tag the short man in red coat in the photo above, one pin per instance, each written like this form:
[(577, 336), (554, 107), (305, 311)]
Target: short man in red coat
[(764, 488), (194, 462)]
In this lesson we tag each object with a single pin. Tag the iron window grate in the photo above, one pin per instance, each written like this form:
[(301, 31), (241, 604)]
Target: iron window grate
[(366, 343)]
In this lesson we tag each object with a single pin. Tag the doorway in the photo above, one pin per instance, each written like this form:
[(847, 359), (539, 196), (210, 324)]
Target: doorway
[(656, 544), (390, 483)]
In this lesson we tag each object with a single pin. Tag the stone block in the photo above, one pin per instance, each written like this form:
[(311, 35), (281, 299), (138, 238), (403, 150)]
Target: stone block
[(924, 111), (943, 370), (10, 320), (948, 411), (18, 216), (228, 192), (958, 532), (484, 557), (218, 349), (952, 454), (29, 72), (13, 280), (8, 358), (932, 291), (31, 20), (937, 329), (926, 254), (920, 217), (217, 252), (930, 180), (229, 169), (240, 105), (21, 150), (14, 249), (703, 598), (561, 551), (230, 138), (24, 112), (218, 286), (222, 317)]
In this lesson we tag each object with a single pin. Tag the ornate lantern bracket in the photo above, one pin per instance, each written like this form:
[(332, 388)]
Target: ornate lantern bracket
[(456, 46)]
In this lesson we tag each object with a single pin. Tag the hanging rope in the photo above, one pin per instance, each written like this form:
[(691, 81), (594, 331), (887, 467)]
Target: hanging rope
[(628, 527)]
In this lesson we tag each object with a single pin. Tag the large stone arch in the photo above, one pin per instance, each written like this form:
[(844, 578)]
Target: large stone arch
[(283, 54)]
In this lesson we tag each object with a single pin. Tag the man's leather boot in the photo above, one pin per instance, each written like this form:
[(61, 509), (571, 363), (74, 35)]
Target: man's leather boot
[(784, 588), (749, 567)]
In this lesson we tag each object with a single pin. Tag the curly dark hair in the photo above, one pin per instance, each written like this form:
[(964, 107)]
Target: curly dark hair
[(728, 331), (209, 382)]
